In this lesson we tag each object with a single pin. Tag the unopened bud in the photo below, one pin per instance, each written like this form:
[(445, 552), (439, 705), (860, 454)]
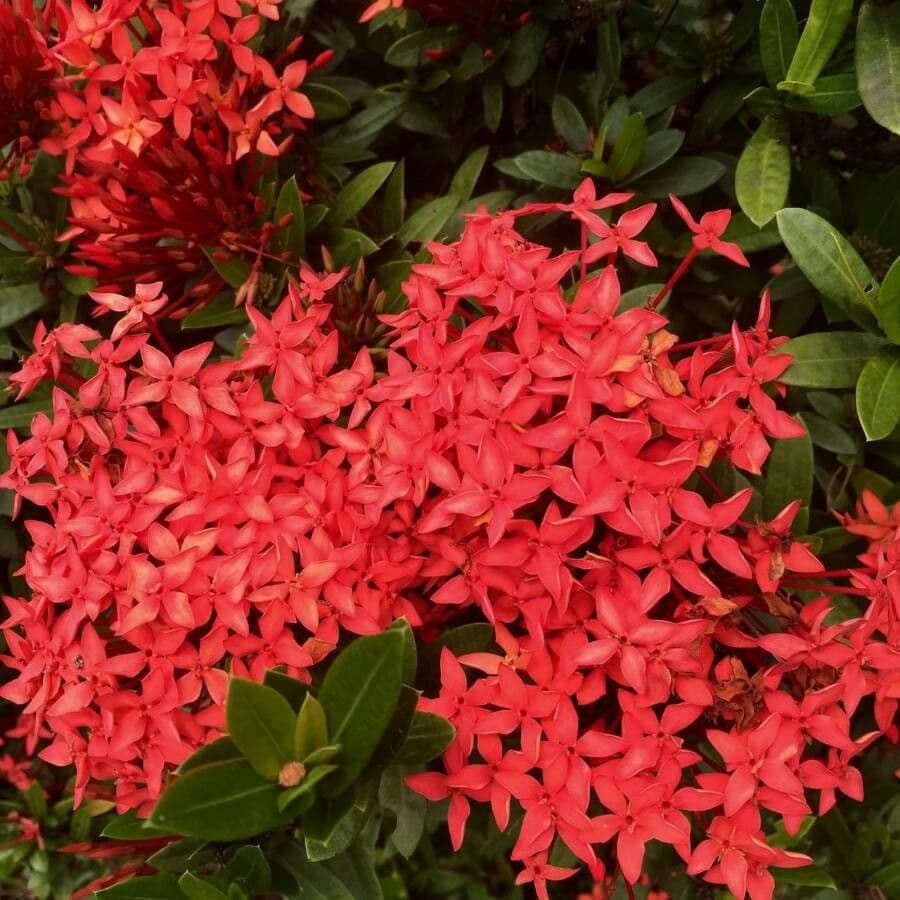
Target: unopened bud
[(291, 774)]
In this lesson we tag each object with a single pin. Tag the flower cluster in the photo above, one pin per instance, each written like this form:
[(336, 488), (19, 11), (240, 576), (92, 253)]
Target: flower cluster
[(163, 112), (528, 452)]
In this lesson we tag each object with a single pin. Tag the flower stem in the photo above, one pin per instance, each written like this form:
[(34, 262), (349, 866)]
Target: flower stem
[(675, 277)]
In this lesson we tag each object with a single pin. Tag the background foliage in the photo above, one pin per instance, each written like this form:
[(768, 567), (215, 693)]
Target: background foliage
[(787, 110)]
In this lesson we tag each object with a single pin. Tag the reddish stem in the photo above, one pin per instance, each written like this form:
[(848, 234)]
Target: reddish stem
[(676, 276)]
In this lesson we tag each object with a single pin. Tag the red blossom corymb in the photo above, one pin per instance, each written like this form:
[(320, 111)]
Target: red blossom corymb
[(524, 453)]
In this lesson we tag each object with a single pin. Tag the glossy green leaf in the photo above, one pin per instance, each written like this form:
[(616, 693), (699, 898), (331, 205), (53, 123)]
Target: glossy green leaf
[(195, 888), (145, 887), (828, 260), (834, 94), (778, 37), (429, 735), (466, 176), (788, 475), (18, 301), (492, 99), (359, 694), (216, 314), (821, 35), (629, 147), (830, 359), (234, 270), (878, 394), (878, 62), (250, 868), (319, 773), (408, 807), (358, 192), (828, 435), (570, 124), (261, 723), (659, 148), (219, 750), (410, 50), (524, 53), (888, 303), (661, 93), (19, 415), (609, 50), (222, 801), (329, 103), (363, 127), (393, 210), (312, 729), (128, 827), (763, 172), (396, 733), (290, 203), (426, 222), (682, 176), (291, 689), (550, 169), (808, 876), (316, 882)]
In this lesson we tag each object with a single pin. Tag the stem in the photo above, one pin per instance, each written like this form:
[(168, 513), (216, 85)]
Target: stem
[(676, 276)]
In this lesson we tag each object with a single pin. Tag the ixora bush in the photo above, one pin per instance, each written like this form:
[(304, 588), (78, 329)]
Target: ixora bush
[(531, 452), (464, 516)]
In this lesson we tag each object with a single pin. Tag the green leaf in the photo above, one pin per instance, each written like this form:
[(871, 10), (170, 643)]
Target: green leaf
[(291, 689), (394, 208), (19, 415), (570, 124), (822, 33), (550, 169), (889, 303), (778, 37), (359, 694), (609, 50), (235, 270), (292, 237), (196, 888), (830, 359), (660, 147), (287, 798), (261, 723), (639, 296), (316, 882), (409, 51), (492, 99), (828, 260), (312, 728), (829, 435), (356, 869), (629, 147), (834, 94), (682, 176), (358, 192), (396, 733), (128, 827), (524, 53), (362, 128), (809, 876), (466, 177), (661, 93), (147, 887), (215, 314), (219, 750), (878, 62), (18, 301), (426, 222), (763, 172), (789, 475), (408, 807), (222, 801), (410, 654), (429, 735), (878, 394), (329, 103)]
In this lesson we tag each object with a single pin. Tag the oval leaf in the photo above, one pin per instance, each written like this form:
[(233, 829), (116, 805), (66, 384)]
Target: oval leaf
[(831, 359), (359, 694), (358, 192), (778, 36), (878, 62), (224, 801), (261, 723), (878, 394), (764, 172), (822, 33)]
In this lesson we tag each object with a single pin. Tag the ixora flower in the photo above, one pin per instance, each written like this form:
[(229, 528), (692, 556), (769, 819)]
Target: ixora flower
[(524, 452)]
